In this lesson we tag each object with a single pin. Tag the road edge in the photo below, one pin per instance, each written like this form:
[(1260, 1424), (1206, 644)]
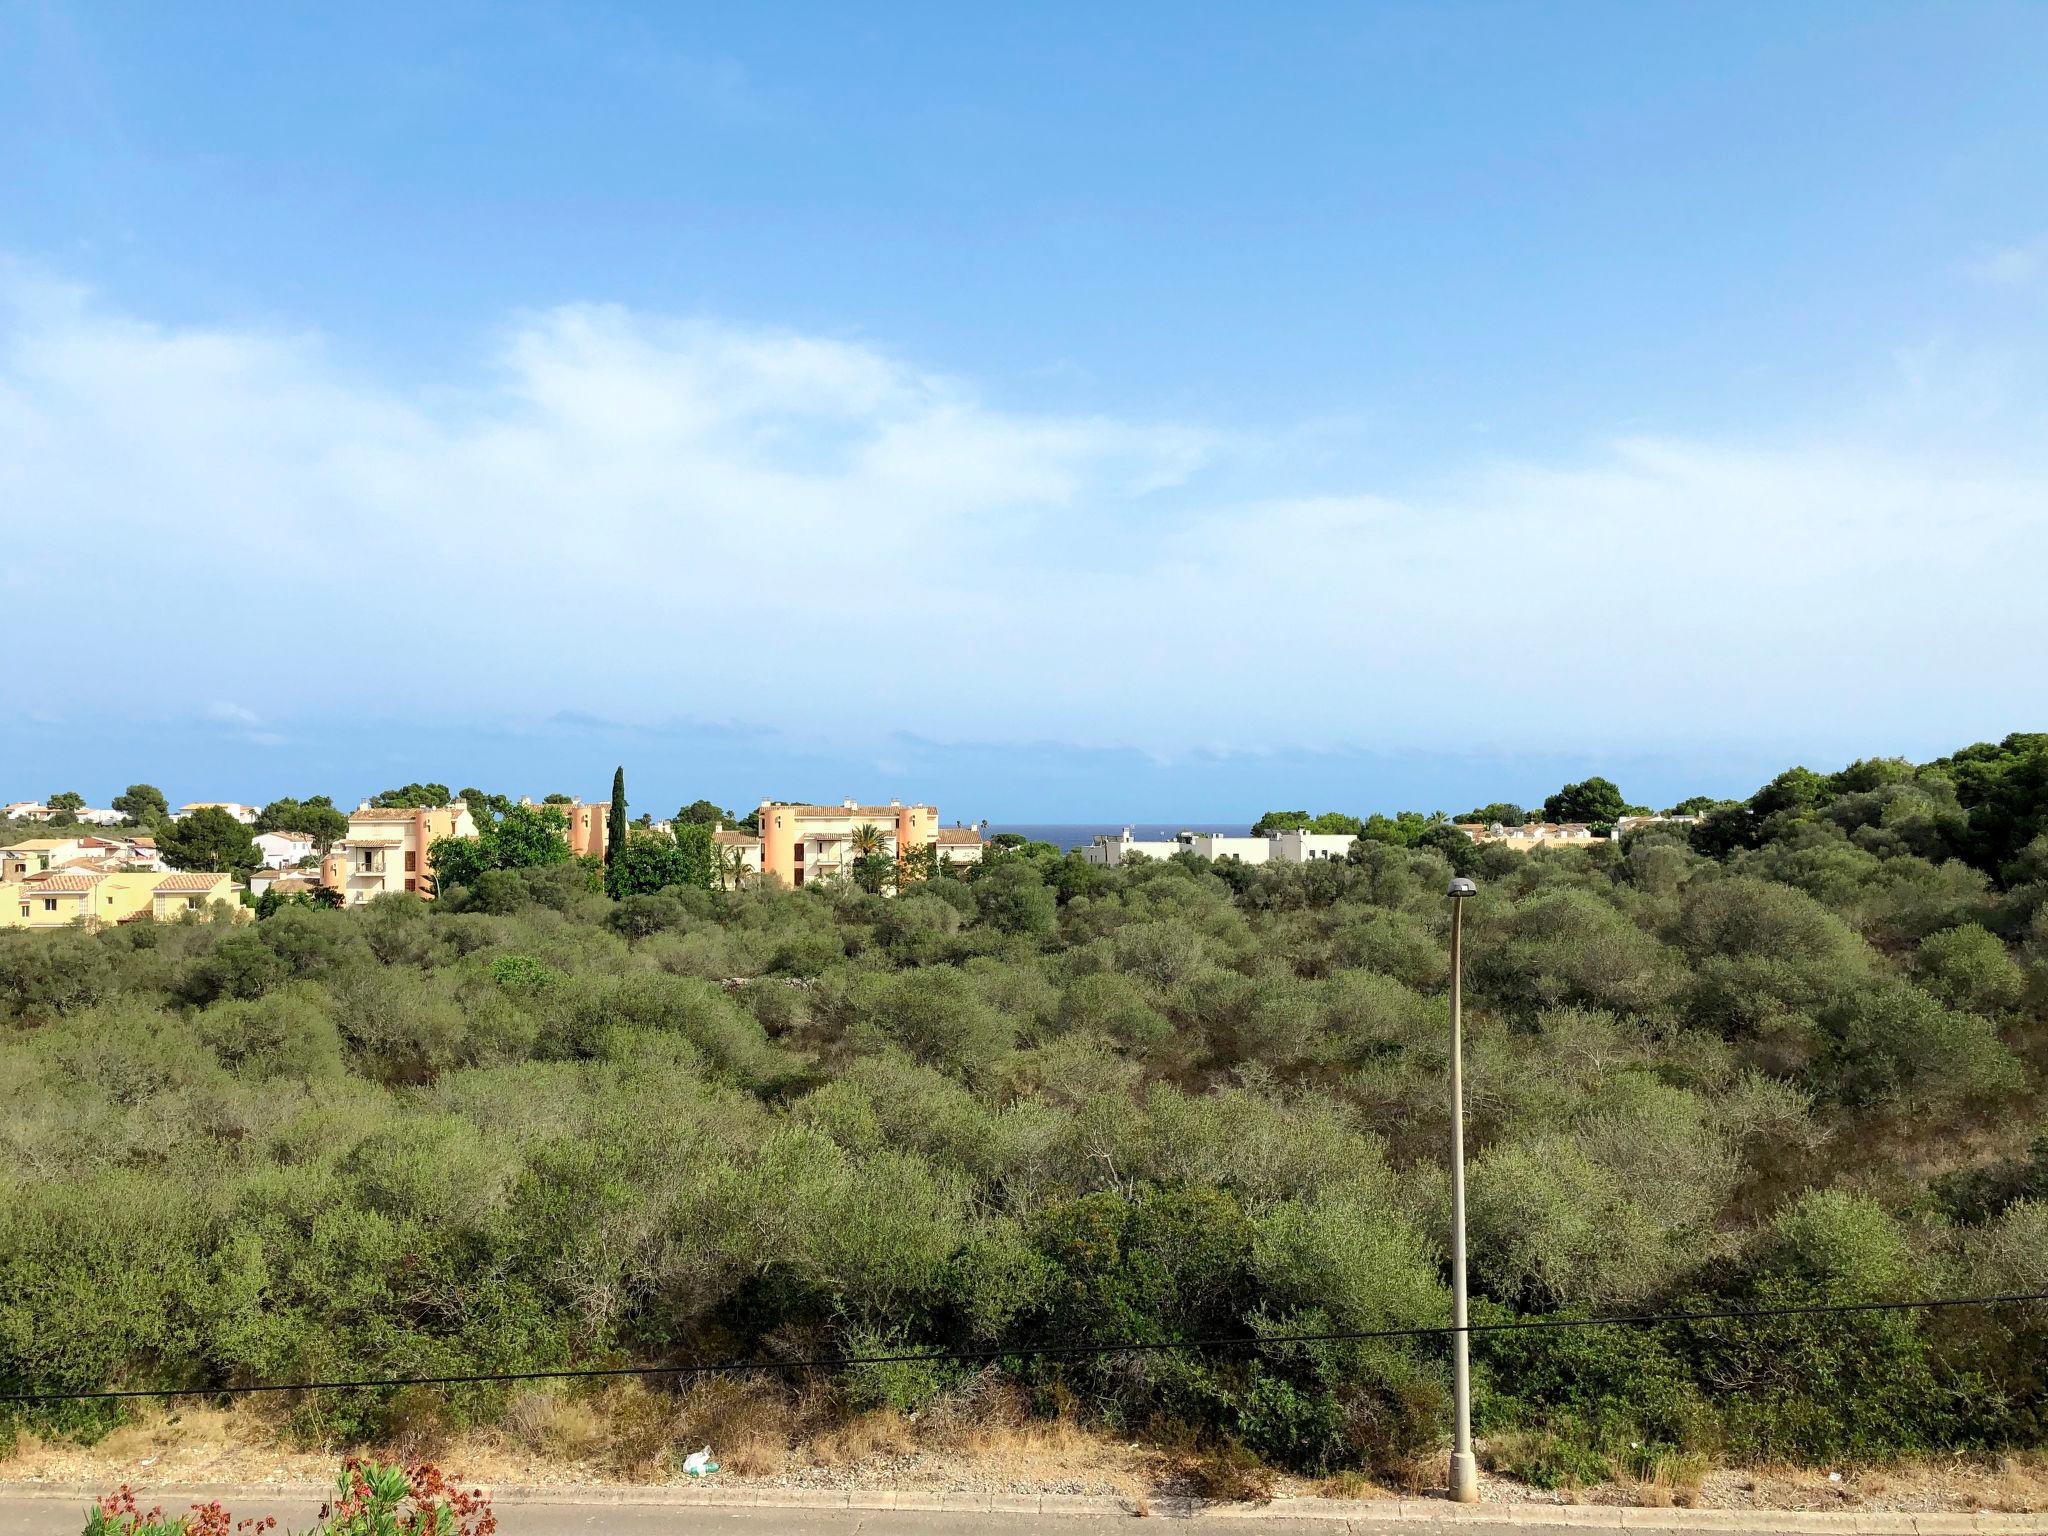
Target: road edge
[(729, 1495)]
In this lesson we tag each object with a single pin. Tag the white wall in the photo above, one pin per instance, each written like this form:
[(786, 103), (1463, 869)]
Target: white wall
[(1297, 847), (1216, 845)]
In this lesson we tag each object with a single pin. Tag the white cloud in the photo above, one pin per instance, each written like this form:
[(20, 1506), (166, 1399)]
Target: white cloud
[(2011, 266), (651, 518)]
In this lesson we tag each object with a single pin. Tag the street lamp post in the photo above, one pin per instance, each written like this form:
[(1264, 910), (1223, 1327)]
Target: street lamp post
[(1464, 1467)]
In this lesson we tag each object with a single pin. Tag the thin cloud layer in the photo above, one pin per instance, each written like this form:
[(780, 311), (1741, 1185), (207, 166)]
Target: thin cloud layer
[(654, 518)]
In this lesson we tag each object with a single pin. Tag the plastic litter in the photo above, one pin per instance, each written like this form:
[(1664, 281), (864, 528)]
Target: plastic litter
[(699, 1463), (1834, 1477)]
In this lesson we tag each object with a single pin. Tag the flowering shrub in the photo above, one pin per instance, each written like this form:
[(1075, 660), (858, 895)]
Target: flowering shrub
[(118, 1514), (415, 1500), (369, 1500)]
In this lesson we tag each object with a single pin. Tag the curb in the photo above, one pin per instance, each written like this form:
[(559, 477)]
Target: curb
[(1602, 1517)]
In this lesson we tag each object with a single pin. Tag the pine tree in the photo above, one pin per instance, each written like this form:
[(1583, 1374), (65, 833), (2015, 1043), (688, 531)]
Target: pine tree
[(615, 828)]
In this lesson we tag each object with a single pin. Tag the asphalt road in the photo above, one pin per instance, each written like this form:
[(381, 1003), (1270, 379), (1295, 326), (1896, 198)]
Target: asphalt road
[(52, 1514)]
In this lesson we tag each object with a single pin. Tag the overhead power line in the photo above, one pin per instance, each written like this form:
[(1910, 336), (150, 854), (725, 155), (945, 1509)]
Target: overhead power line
[(1037, 1351)]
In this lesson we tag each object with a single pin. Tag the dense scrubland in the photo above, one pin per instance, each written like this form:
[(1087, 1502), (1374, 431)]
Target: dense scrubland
[(1793, 1054)]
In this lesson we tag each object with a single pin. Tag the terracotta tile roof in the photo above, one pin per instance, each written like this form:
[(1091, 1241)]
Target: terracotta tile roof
[(194, 881), (958, 835), (56, 882), (865, 812), (143, 842), (387, 813), (731, 839), (37, 844)]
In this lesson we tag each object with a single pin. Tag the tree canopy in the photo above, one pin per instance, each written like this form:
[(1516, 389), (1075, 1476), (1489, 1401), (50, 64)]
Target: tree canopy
[(525, 837), (1594, 800), (410, 797), (208, 839), (654, 861), (616, 825), (143, 804), (315, 817), (1332, 823), (1505, 812)]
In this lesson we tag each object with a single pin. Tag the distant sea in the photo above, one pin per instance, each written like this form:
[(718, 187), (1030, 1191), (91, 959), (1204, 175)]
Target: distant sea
[(1079, 834)]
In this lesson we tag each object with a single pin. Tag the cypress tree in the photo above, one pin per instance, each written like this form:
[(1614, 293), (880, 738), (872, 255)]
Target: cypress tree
[(615, 828)]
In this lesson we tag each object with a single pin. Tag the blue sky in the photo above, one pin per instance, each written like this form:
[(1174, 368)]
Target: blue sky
[(1068, 414)]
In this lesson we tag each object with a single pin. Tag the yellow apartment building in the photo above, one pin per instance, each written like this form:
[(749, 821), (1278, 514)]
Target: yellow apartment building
[(808, 843), (59, 898), (1535, 834), (389, 850)]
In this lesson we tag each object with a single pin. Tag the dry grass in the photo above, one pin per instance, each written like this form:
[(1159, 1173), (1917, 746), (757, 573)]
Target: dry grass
[(868, 1437), (2015, 1483), (1229, 1474), (1353, 1485), (980, 1438), (982, 1435), (195, 1445), (1664, 1480), (2019, 1485)]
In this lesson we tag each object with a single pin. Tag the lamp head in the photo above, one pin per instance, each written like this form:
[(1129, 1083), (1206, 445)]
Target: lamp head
[(1460, 888)]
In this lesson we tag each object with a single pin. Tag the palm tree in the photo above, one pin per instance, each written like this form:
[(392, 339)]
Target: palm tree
[(732, 862), (870, 851)]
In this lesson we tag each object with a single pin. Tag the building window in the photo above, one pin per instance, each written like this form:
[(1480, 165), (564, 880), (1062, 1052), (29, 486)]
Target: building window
[(49, 903), (412, 862), (192, 903), (412, 885), (799, 853), (799, 877)]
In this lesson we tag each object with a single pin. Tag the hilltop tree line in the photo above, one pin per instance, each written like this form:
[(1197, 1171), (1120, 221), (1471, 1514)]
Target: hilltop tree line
[(213, 840), (1791, 1055)]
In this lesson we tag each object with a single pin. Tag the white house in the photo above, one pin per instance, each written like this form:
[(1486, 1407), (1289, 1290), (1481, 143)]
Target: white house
[(287, 881), (1295, 846), (245, 814), (1623, 824), (101, 818), (725, 841), (1217, 845), (26, 810), (281, 850), (958, 845), (1112, 851)]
